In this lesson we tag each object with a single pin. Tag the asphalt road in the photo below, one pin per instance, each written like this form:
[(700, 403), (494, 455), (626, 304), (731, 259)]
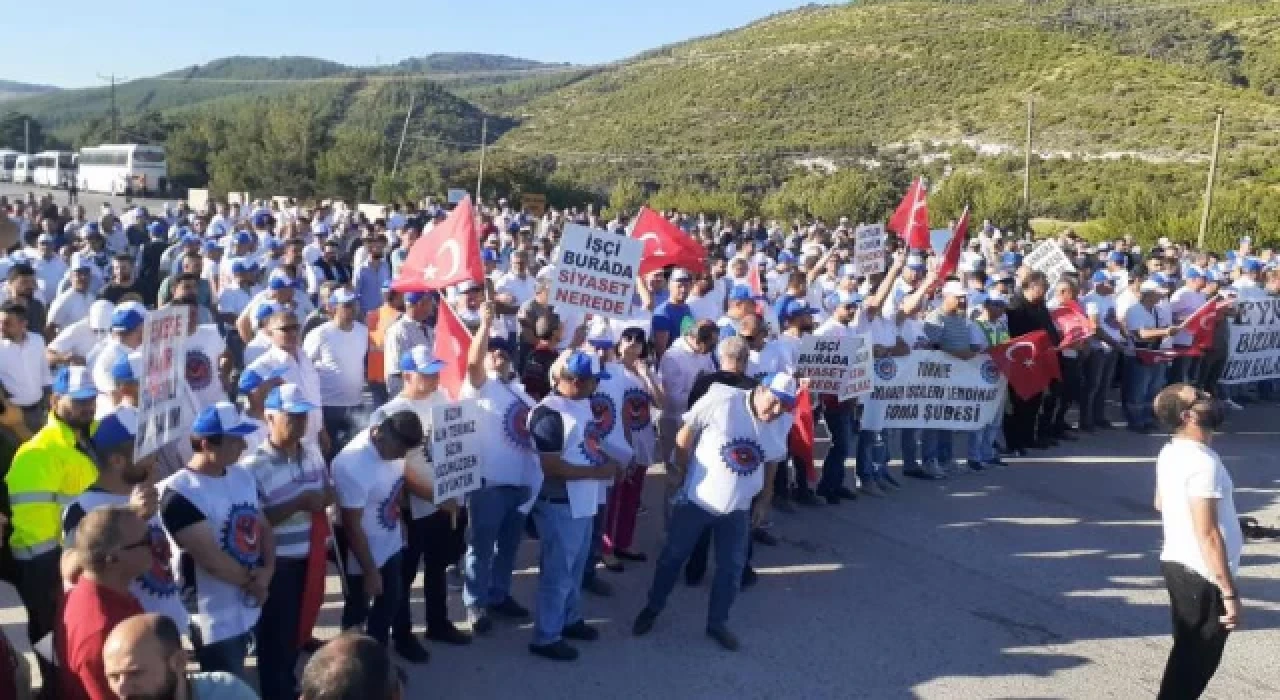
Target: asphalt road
[(91, 200)]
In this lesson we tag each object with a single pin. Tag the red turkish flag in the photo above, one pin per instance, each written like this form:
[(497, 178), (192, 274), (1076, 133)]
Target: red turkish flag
[(800, 439), (665, 244), (1029, 361), (911, 219), (1073, 325), (444, 256), (453, 344), (1161, 356), (951, 256), (1201, 324), (313, 581)]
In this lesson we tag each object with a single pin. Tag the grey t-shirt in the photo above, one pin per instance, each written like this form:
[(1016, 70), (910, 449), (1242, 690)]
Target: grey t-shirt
[(218, 685)]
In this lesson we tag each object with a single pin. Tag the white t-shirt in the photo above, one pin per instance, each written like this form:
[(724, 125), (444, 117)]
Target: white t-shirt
[(707, 308), (727, 467), (338, 357), (1102, 309), (419, 460), (69, 307), (363, 479), (233, 300), (1183, 303), (79, 339), (1187, 469), (204, 347), (1137, 318), (23, 369)]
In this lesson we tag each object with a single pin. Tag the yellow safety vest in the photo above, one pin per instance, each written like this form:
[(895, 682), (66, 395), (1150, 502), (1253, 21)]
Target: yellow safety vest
[(48, 472)]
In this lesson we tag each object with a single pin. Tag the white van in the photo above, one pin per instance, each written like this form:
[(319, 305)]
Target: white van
[(22, 169), (7, 160)]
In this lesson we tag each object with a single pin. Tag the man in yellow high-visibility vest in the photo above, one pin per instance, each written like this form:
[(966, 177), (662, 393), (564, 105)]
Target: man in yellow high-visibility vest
[(50, 470)]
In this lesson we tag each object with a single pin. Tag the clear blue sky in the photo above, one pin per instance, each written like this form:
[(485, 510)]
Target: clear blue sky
[(139, 38)]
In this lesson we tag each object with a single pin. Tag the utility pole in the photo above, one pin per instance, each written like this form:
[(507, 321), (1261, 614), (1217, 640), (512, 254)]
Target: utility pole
[(404, 130), (1026, 166), (484, 135), (115, 116), (26, 135), (1208, 188)]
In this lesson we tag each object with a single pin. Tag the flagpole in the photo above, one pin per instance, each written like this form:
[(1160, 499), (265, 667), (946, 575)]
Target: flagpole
[(484, 136)]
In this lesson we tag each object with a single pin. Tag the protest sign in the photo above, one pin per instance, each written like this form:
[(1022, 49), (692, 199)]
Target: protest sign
[(373, 212), (860, 371), (931, 389), (1049, 259), (455, 449), (456, 195), (868, 250), (1255, 342), (162, 401), (533, 203), (595, 272), (831, 364), (198, 200)]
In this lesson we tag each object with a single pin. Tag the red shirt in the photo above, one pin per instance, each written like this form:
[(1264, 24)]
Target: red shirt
[(89, 614)]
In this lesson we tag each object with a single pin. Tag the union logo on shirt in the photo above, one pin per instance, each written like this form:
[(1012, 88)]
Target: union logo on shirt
[(159, 579), (592, 446), (515, 425), (635, 409), (743, 456), (389, 509), (603, 412), (242, 535), (199, 370)]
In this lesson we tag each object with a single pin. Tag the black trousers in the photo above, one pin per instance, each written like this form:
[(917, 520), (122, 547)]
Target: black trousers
[(40, 586), (1198, 636), (1069, 390), (1020, 424), (277, 630), (1211, 368), (433, 543)]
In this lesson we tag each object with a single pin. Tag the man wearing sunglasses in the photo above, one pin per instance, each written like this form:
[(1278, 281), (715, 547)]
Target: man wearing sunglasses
[(113, 548), (286, 353)]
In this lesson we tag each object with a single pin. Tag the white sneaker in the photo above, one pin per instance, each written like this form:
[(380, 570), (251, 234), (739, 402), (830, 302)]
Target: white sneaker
[(1232, 405)]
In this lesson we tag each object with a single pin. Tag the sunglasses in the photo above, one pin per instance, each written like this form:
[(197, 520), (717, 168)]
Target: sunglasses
[(289, 329)]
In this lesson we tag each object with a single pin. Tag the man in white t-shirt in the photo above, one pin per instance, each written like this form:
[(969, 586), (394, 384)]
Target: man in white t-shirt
[(727, 454), (337, 349), (1202, 540), (1184, 302), (1143, 376)]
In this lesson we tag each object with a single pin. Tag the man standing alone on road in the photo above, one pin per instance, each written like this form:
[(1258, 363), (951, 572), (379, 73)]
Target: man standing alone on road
[(1202, 539)]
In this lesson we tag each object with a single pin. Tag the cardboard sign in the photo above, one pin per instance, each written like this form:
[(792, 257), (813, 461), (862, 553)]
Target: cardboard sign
[(162, 406), (868, 250), (862, 370), (595, 272), (1049, 259), (373, 212), (1255, 342), (829, 363), (198, 200), (931, 389), (455, 449), (534, 203), (456, 195)]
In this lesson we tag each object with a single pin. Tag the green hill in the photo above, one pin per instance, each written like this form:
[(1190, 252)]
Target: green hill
[(10, 89)]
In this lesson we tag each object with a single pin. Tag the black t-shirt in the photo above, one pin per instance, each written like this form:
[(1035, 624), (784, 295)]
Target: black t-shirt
[(114, 292), (703, 383), (178, 513)]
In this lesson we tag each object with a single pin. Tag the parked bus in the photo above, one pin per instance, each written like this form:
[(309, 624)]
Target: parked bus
[(8, 158), (112, 168), (53, 168), (22, 169)]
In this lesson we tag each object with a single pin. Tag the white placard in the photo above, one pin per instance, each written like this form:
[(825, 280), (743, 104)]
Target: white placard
[(868, 250), (861, 370), (829, 363), (595, 272), (931, 389), (162, 414), (1049, 258), (1254, 352), (456, 195), (455, 449)]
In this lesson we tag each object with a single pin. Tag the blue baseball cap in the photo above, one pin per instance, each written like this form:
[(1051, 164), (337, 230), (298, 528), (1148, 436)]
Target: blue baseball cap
[(1194, 273), (75, 382), (1116, 256), (1101, 277), (1010, 258), (243, 238), (584, 365), (250, 379), (114, 430), (240, 267), (288, 398), (500, 342), (189, 238), (793, 308), (741, 292), (128, 316), (786, 256), (212, 244), (222, 418), (127, 368), (279, 280), (994, 297), (342, 295), (419, 360), (1251, 265), (274, 243), (414, 297), (783, 386), (92, 227), (487, 255), (261, 219), (844, 297), (265, 311)]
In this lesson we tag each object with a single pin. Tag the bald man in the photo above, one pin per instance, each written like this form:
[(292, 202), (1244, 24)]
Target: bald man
[(353, 665), (144, 660)]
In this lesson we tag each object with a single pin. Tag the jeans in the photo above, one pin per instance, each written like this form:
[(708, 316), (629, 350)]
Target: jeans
[(1198, 636), (395, 384), (343, 422), (688, 521), (376, 617), (435, 542), (935, 445), (378, 390), (1141, 384), (565, 543), (226, 655), (1099, 368), (873, 454), (595, 550), (909, 439), (840, 425), (277, 631), (492, 543), (982, 442)]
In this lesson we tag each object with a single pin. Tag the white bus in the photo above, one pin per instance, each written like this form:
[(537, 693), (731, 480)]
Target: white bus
[(113, 167), (8, 158), (22, 169), (53, 168)]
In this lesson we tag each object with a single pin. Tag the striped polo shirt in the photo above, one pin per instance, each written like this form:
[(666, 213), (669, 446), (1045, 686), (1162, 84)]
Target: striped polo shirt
[(281, 478)]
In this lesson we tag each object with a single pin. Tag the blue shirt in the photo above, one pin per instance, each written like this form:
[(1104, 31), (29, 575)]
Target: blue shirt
[(368, 283), (670, 316)]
